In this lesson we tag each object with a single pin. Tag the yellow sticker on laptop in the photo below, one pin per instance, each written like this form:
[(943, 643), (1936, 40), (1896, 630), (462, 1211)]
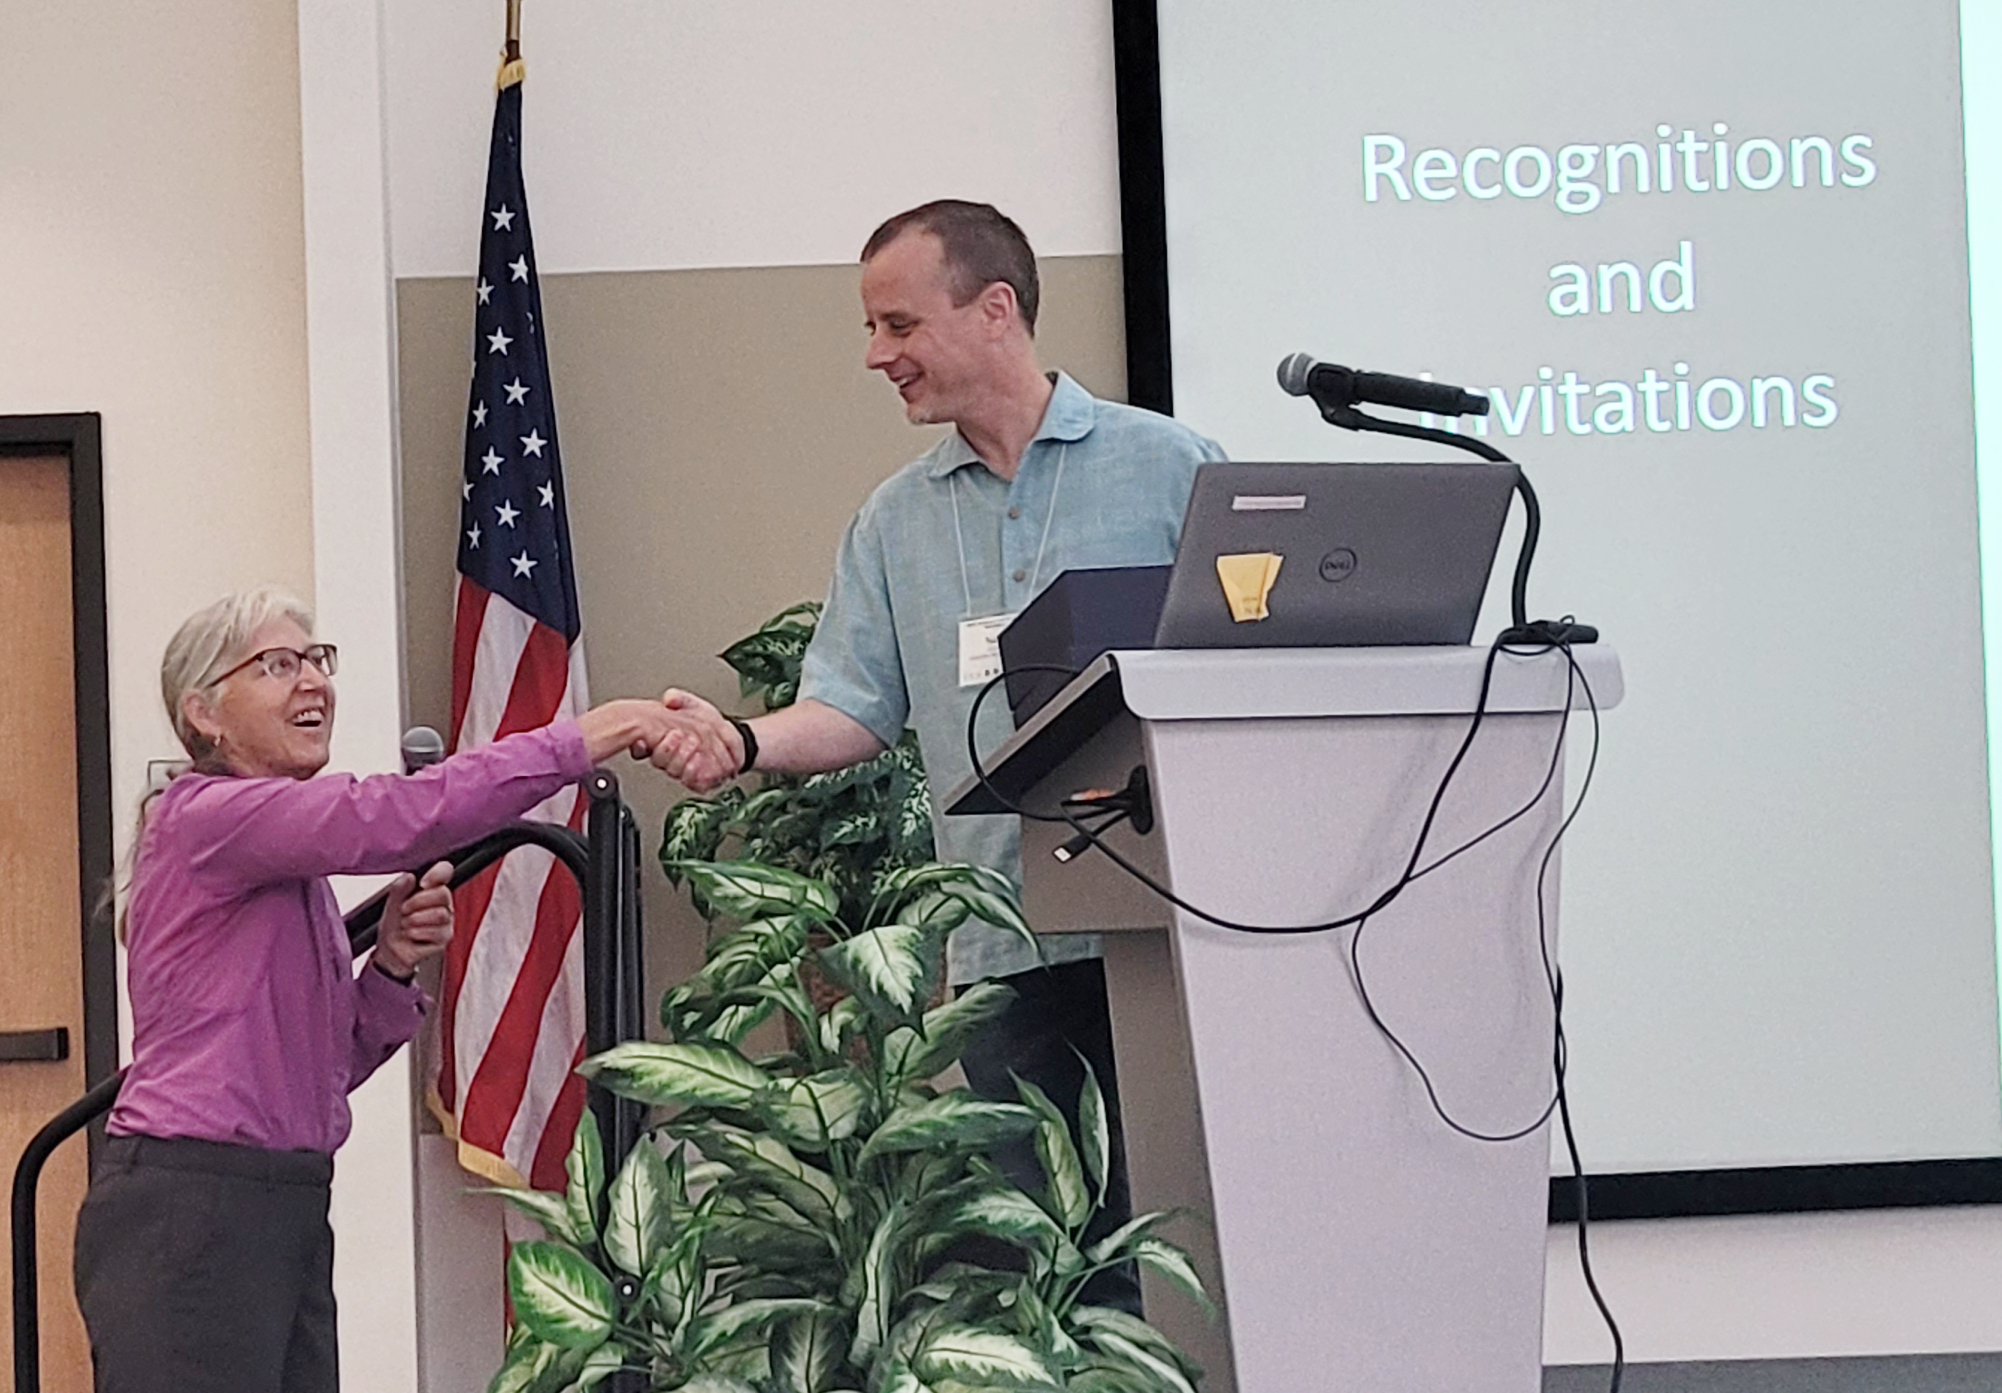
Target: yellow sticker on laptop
[(1247, 581)]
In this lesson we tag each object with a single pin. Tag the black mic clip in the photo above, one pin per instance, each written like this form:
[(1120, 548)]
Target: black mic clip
[(1133, 804), (1548, 633)]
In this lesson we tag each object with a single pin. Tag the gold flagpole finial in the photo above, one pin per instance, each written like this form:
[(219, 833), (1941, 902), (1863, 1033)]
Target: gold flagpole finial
[(512, 70)]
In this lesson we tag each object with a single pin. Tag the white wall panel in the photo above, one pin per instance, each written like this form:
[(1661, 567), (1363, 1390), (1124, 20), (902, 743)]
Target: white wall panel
[(666, 134)]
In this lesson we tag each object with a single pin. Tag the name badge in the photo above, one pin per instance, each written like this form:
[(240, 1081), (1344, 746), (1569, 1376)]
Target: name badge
[(980, 649)]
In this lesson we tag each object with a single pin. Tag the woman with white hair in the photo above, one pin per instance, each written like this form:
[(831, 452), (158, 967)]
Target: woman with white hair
[(204, 1258)]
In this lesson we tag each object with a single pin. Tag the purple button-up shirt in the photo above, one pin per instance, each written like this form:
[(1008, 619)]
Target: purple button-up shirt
[(249, 1023)]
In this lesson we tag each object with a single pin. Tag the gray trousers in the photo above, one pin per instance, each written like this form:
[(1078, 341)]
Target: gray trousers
[(208, 1268)]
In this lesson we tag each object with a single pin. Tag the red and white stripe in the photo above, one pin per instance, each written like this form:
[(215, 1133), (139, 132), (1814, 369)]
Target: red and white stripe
[(511, 1009)]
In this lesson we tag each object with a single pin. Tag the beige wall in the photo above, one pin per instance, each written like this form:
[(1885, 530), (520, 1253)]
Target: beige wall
[(152, 268), (718, 430)]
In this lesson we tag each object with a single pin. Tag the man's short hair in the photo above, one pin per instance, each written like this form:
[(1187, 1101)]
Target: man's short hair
[(981, 245)]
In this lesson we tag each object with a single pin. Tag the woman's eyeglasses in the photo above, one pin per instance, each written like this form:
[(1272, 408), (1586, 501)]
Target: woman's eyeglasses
[(284, 663)]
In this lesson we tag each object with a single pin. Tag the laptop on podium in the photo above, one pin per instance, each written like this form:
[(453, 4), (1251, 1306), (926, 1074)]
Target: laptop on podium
[(1334, 555), (1321, 556)]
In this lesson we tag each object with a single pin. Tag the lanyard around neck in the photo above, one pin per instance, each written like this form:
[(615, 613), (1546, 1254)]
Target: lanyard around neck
[(1050, 516)]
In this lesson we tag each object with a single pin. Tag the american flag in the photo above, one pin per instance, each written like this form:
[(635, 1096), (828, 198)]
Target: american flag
[(511, 1023)]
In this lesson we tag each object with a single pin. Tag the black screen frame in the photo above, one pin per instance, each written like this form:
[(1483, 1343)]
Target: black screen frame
[(1143, 209)]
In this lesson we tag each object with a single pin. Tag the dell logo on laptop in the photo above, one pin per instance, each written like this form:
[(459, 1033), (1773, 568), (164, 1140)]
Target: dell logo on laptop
[(1338, 565)]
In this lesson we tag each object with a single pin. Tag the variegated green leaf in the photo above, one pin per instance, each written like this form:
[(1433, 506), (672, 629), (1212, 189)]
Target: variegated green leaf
[(600, 1365), (911, 818), (748, 890), (898, 886), (806, 1351), (717, 1383), (814, 1112), (749, 952), (890, 967), (1171, 1262), (1091, 1320), (560, 1296), (639, 1209), (1105, 1376), (1062, 1169), (732, 1016), (705, 1075), (851, 828), (1006, 1214), (528, 1358), (894, 1376), (767, 1243), (935, 909), (718, 1328), (767, 1161), (760, 806), (840, 1024), (584, 1196), (1168, 1377), (548, 1209), (874, 1310), (691, 831), (914, 1056), (1002, 909), (988, 1358), (673, 1285), (1038, 1324), (956, 1121), (1094, 1133), (1114, 1244)]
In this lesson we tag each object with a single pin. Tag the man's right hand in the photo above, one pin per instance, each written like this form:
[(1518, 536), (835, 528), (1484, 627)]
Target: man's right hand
[(647, 728), (707, 752)]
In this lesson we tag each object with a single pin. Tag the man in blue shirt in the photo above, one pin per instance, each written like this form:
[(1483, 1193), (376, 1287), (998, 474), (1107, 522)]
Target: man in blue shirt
[(1038, 477)]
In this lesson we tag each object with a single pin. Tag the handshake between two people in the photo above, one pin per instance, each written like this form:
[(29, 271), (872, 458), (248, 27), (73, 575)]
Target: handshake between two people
[(682, 735)]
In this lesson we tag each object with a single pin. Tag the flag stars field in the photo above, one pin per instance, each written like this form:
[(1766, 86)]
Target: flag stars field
[(516, 393)]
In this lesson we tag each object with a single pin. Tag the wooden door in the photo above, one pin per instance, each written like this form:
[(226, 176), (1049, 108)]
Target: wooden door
[(41, 948)]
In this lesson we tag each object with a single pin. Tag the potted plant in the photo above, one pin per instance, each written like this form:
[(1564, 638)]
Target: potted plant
[(794, 1224), (844, 828)]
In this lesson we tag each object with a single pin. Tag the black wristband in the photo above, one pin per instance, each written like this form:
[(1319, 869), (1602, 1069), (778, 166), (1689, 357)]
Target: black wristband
[(750, 745)]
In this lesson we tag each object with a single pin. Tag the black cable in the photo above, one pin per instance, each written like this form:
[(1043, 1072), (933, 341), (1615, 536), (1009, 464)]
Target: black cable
[(1560, 1050), (1405, 878), (1560, 1100)]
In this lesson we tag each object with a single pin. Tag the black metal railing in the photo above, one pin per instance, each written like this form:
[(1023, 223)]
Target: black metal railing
[(604, 859)]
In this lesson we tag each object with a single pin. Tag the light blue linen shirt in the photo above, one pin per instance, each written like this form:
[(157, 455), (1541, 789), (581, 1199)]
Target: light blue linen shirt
[(946, 539)]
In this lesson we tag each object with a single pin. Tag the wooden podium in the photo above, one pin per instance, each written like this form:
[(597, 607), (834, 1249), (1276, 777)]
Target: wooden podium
[(1354, 1241)]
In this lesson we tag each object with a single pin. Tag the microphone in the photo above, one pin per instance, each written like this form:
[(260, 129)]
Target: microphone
[(1334, 388), (422, 748)]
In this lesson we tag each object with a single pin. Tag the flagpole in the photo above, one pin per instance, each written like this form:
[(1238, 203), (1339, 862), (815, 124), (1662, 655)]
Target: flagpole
[(511, 69)]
